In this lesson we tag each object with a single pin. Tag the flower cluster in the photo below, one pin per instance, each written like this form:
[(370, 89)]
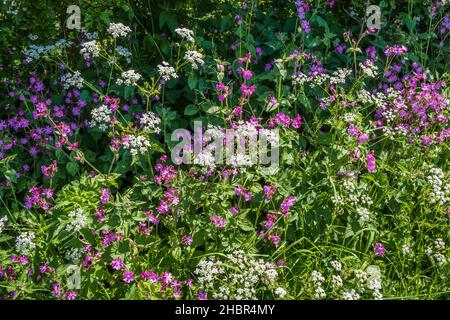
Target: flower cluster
[(195, 58), (118, 30), (3, 221), (78, 220), (137, 144), (185, 34), (102, 117), (38, 197), (129, 78), (25, 242), (90, 49), (238, 278), (437, 252), (150, 122), (70, 80), (166, 71), (440, 191)]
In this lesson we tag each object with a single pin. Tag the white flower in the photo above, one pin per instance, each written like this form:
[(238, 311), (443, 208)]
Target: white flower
[(195, 58), (101, 118), (129, 77), (78, 222), (118, 30), (350, 295), (72, 80), (25, 242), (89, 35), (150, 122), (439, 244), (124, 52), (3, 221), (336, 265), (238, 278), (185, 34), (319, 293), (90, 49), (74, 255), (364, 215), (166, 71), (280, 292), (336, 282), (317, 277), (349, 117), (440, 259), (405, 249), (340, 75), (136, 144), (35, 52), (369, 68)]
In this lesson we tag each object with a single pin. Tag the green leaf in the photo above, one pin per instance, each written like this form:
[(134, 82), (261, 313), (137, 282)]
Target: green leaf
[(191, 110), (192, 82), (11, 175), (72, 168)]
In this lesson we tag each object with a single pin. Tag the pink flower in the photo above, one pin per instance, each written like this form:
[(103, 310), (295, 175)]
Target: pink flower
[(273, 101), (153, 219), (218, 221), (363, 138), (287, 203), (341, 48), (117, 264), (370, 158), (379, 249), (247, 90), (246, 74), (353, 130), (105, 196), (186, 240), (426, 139), (297, 122), (269, 191), (201, 295), (71, 295), (128, 276)]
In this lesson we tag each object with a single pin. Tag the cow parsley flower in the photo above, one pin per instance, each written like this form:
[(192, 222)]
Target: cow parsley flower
[(319, 293), (350, 295), (136, 144), (166, 71), (72, 80), (336, 282), (25, 242), (405, 249), (150, 122), (317, 277), (74, 255), (124, 52), (78, 220), (336, 265), (129, 78), (185, 34), (101, 117), (118, 30), (195, 58), (35, 52), (3, 221), (237, 278), (369, 68), (280, 292), (90, 49)]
